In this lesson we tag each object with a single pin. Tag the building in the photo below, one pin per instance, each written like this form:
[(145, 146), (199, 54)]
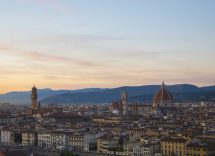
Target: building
[(202, 146), (162, 104), (124, 103), (107, 144), (114, 145), (162, 98), (200, 149), (139, 109), (53, 140), (29, 138), (90, 141), (162, 101), (7, 119), (7, 137), (44, 140), (59, 140), (34, 103), (174, 146), (115, 108), (76, 141), (123, 108), (34, 98), (36, 111), (145, 150)]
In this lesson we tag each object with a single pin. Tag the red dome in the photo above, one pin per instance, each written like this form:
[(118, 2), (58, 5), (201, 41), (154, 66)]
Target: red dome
[(162, 98)]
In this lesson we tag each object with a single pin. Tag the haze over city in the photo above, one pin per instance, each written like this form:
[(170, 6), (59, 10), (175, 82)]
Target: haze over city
[(67, 44)]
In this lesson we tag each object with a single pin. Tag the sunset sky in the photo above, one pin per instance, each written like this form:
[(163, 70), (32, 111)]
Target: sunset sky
[(70, 44)]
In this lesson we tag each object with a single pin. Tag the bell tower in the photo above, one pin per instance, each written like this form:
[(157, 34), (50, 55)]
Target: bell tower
[(124, 102), (34, 98)]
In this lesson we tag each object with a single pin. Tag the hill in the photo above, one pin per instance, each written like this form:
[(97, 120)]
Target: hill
[(181, 92), (24, 97)]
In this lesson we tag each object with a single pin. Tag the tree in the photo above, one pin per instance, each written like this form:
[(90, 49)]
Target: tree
[(67, 153)]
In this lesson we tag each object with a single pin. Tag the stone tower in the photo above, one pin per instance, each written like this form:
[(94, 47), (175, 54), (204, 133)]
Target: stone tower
[(34, 98), (124, 103)]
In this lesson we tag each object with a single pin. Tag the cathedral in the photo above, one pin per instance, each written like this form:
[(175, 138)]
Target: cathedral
[(162, 98), (162, 104), (162, 101)]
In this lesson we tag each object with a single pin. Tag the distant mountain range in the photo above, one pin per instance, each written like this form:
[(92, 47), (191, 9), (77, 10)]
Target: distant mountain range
[(24, 97), (180, 92)]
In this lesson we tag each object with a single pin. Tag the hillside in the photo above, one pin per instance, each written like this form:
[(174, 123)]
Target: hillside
[(24, 97), (181, 93)]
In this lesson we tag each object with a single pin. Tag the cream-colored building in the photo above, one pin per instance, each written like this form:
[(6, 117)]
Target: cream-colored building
[(109, 144), (76, 141), (200, 149), (29, 138), (174, 146)]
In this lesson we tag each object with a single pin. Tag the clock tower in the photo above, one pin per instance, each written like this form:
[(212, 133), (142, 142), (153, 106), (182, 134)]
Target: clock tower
[(34, 98)]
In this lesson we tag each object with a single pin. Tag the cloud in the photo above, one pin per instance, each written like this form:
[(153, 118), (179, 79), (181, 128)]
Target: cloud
[(92, 40), (46, 57), (84, 38), (39, 56)]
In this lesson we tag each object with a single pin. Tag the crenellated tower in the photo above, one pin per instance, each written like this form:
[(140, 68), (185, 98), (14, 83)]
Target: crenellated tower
[(34, 98)]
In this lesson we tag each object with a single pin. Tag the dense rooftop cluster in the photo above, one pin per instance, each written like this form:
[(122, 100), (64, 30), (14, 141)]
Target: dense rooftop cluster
[(140, 130)]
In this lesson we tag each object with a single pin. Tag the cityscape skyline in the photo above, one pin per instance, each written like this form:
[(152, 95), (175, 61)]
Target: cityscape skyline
[(77, 44), (107, 78)]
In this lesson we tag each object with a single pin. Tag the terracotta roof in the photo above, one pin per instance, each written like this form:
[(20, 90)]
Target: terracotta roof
[(163, 96), (179, 140)]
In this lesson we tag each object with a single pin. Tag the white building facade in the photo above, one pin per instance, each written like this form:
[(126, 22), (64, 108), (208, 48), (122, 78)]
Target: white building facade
[(145, 150), (52, 140), (7, 137)]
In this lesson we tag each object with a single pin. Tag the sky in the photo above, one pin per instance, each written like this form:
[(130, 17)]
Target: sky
[(71, 44)]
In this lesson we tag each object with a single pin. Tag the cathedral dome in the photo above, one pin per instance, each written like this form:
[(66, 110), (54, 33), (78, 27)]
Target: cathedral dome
[(162, 98)]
